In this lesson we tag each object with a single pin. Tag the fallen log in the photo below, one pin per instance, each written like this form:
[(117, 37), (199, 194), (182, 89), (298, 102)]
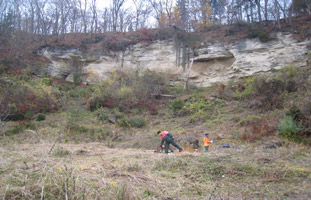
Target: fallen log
[(164, 95)]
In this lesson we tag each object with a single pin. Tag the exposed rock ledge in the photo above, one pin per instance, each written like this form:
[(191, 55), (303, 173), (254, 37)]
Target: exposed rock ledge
[(212, 62)]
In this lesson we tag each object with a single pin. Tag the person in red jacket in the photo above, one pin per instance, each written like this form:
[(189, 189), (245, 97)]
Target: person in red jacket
[(168, 138), (206, 142)]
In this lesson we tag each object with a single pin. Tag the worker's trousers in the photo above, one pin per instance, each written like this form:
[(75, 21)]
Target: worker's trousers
[(206, 149), (168, 140)]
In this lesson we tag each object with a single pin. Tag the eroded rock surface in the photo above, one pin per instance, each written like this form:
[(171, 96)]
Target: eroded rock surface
[(212, 62)]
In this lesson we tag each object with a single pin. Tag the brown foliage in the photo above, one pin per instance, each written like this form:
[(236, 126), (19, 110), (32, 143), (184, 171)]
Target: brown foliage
[(256, 129), (20, 99)]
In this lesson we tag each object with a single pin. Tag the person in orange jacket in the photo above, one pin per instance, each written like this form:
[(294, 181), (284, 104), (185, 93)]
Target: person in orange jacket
[(168, 138), (206, 142)]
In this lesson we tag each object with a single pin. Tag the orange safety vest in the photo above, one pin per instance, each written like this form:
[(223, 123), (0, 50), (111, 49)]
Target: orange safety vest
[(206, 141), (163, 134)]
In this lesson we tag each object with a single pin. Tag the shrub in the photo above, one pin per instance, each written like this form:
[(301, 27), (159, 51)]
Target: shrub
[(301, 118), (197, 106), (20, 128), (123, 122), (258, 128), (46, 81), (263, 37), (126, 97), (107, 132), (203, 109), (103, 116), (288, 127), (27, 99), (73, 124), (76, 79), (256, 33), (288, 72), (28, 115), (243, 89), (3, 67), (40, 117), (266, 92), (15, 130), (295, 113), (128, 91), (61, 152), (176, 106), (137, 122)]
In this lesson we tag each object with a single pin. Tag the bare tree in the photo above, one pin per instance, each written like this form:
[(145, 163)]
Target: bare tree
[(94, 23), (163, 11), (74, 18), (266, 9), (142, 10), (31, 9), (106, 17), (83, 12), (56, 14), (183, 11), (258, 4), (116, 6), (41, 26), (3, 9), (276, 13)]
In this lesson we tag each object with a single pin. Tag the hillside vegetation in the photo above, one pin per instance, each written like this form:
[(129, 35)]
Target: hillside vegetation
[(69, 140)]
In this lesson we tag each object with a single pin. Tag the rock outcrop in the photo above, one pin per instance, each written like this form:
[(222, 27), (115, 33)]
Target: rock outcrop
[(212, 62)]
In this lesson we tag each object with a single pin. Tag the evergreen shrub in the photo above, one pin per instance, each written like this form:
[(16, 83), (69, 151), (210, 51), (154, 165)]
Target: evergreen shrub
[(288, 127)]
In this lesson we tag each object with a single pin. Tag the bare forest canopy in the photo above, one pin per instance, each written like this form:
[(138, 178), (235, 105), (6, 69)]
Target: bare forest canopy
[(55, 17)]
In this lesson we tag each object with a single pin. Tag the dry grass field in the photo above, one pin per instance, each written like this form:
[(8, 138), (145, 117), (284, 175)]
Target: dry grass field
[(95, 171)]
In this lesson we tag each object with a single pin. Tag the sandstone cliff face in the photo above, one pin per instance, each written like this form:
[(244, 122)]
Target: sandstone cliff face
[(212, 62)]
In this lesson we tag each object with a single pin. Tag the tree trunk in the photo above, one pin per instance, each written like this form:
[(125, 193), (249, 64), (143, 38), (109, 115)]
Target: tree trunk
[(258, 9), (266, 10)]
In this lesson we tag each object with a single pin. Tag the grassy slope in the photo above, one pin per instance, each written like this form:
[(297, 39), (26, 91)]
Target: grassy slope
[(125, 167), (96, 159)]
